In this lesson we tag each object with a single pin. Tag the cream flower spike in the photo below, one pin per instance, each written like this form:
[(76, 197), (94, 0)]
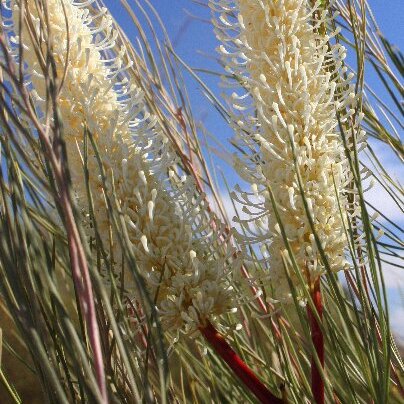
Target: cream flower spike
[(285, 116), (168, 224)]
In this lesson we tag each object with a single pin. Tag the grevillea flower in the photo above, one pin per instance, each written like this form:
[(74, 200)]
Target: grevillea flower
[(184, 262), (292, 88)]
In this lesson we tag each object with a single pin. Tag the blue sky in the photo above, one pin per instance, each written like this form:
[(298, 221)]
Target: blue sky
[(194, 39)]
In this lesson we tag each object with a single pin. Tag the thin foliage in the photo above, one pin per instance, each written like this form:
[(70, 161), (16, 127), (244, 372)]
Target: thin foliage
[(78, 312)]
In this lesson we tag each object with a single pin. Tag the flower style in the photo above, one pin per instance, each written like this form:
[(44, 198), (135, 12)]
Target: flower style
[(185, 263), (294, 90)]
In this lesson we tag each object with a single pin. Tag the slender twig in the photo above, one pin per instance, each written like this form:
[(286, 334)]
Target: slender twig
[(54, 148), (244, 373), (317, 382)]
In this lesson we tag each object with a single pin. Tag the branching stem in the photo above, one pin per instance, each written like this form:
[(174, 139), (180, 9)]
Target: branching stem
[(243, 372)]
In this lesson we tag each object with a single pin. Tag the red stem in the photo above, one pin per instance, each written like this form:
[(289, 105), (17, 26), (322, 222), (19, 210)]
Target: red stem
[(317, 383), (78, 261), (246, 375)]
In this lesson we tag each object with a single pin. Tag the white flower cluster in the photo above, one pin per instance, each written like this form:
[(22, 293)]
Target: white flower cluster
[(293, 85), (184, 262)]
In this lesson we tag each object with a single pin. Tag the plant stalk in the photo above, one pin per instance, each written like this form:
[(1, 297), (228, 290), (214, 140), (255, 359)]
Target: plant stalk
[(317, 382), (55, 152), (243, 372)]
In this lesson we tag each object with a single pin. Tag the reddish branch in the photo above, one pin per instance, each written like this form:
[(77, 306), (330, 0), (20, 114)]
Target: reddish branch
[(245, 374), (51, 137), (317, 382)]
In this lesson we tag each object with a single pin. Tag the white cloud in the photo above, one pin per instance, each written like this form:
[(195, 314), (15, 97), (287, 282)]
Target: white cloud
[(393, 276), (397, 322), (231, 212), (382, 201), (377, 195), (388, 159)]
